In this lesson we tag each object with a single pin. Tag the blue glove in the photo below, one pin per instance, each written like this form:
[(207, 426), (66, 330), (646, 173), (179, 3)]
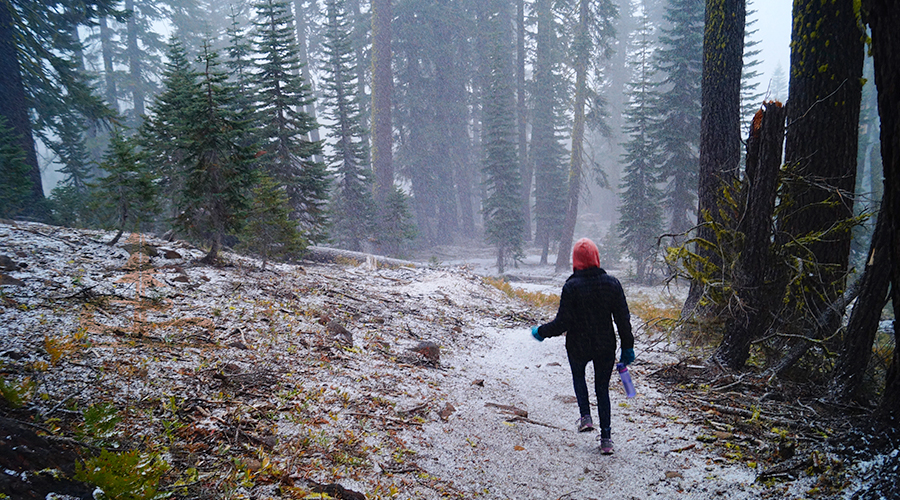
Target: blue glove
[(627, 356), (536, 335)]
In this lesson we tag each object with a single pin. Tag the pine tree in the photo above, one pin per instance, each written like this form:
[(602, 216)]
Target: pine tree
[(127, 191), (218, 169), (352, 206), (163, 135), (143, 47), (751, 96), (591, 45), (283, 125), (547, 151), (14, 184), (268, 230), (778, 85), (679, 62), (39, 77), (640, 214), (502, 207)]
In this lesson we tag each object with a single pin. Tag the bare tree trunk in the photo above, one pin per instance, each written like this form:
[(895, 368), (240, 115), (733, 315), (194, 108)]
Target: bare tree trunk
[(14, 107), (135, 68), (821, 144), (720, 124), (521, 114), (751, 316), (382, 89), (303, 50), (577, 161), (856, 350), (883, 19)]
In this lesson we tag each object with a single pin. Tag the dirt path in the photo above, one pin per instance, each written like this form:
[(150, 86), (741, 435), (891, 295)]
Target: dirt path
[(496, 458)]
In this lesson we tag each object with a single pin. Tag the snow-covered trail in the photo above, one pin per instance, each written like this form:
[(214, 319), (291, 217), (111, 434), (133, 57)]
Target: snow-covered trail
[(486, 455)]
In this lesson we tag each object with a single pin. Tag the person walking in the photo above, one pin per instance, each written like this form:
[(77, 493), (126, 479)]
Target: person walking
[(590, 301)]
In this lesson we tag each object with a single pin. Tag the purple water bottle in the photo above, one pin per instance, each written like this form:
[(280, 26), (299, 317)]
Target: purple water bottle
[(626, 380)]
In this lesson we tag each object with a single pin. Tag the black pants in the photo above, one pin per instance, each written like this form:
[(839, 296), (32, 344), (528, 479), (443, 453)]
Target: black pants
[(603, 366)]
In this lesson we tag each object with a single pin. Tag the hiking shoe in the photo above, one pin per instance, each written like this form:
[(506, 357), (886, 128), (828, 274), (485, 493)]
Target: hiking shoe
[(606, 446), (585, 424)]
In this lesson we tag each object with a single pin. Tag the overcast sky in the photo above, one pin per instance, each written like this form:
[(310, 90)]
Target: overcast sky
[(773, 31)]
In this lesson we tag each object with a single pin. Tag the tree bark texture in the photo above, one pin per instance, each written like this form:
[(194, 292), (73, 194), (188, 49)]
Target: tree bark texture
[(14, 107), (301, 24), (135, 68), (522, 118), (382, 89), (750, 317), (576, 164), (856, 350), (111, 93), (883, 19), (720, 117), (821, 144)]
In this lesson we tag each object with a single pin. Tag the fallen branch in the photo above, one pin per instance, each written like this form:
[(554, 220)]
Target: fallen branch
[(535, 422)]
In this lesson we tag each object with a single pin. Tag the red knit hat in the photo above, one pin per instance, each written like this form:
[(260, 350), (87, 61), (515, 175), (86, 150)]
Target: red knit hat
[(585, 255)]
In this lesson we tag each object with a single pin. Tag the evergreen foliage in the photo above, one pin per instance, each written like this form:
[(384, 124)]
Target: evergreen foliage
[(549, 96), (640, 214), (218, 169), (163, 135), (502, 208), (352, 203), (140, 50), (14, 183), (282, 123), (268, 230), (127, 192), (751, 96), (677, 132), (397, 225)]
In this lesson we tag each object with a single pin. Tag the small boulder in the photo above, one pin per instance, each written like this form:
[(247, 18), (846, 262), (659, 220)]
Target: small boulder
[(428, 350), (171, 254), (9, 280), (148, 250), (339, 334), (7, 264)]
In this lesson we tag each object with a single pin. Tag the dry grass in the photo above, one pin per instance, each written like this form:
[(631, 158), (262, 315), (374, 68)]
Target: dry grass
[(537, 299), (658, 317)]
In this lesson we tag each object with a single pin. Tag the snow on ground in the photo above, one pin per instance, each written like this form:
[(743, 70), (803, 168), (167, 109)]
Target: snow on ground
[(249, 376)]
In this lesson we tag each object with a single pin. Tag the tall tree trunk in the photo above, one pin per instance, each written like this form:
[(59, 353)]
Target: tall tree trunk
[(751, 316), (522, 118), (847, 376), (576, 164), (821, 147), (135, 68), (303, 52), (109, 77), (720, 118), (883, 19), (14, 107), (382, 88)]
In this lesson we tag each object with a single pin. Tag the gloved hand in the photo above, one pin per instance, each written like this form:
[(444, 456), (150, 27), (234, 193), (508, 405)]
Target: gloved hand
[(536, 335), (627, 356)]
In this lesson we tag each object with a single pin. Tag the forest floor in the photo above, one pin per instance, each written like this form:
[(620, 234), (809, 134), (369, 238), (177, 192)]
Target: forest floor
[(135, 368)]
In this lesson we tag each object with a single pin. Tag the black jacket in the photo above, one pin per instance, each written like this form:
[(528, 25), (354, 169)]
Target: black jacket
[(589, 302)]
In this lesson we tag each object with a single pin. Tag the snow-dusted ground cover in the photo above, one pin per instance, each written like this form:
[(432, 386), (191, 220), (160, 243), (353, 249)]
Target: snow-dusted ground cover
[(268, 383)]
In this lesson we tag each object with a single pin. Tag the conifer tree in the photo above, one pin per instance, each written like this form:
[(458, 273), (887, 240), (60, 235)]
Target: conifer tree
[(163, 134), (239, 62), (352, 205), (127, 191), (281, 121), (679, 62), (14, 185), (218, 169), (640, 215), (751, 96), (547, 151), (502, 207), (143, 47), (268, 230)]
